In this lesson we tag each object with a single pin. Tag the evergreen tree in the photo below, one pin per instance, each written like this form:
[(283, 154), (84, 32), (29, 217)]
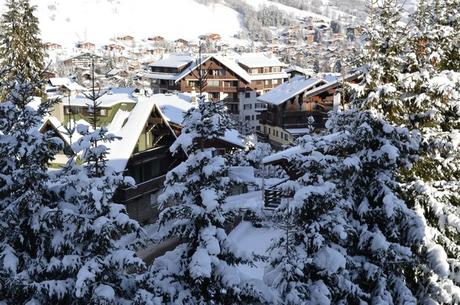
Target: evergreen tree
[(410, 82), (21, 51), (354, 236), (203, 269), (89, 253), (26, 206), (430, 82)]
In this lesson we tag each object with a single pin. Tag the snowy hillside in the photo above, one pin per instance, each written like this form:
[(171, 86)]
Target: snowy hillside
[(69, 21)]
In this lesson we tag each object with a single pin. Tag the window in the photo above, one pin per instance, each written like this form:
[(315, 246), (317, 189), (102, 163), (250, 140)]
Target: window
[(286, 137), (247, 118), (193, 83), (276, 69), (104, 112), (213, 83), (260, 106), (219, 72), (247, 106), (258, 93), (252, 117), (266, 70), (267, 82), (258, 117), (247, 94), (258, 128), (282, 135)]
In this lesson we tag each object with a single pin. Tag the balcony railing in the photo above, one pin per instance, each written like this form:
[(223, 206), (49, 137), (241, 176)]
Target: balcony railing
[(293, 119), (124, 195)]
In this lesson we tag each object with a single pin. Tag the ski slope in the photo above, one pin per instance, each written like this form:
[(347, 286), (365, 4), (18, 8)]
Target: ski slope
[(69, 21)]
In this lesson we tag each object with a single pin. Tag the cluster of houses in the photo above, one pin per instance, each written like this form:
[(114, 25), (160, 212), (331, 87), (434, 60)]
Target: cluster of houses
[(267, 97)]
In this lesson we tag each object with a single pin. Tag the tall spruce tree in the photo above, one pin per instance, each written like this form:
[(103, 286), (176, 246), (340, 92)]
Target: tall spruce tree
[(203, 269), (420, 91), (354, 236), (91, 264), (26, 205), (430, 82), (21, 50)]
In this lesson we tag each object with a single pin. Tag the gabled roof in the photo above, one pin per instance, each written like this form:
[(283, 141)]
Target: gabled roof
[(334, 81), (288, 90), (172, 109), (112, 97), (259, 60), (230, 64), (173, 61)]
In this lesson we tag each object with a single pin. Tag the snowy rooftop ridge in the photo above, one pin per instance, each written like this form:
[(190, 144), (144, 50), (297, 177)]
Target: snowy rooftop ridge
[(112, 97), (259, 60), (289, 89)]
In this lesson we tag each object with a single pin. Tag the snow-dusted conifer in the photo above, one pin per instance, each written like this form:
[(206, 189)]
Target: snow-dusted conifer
[(21, 50), (26, 205), (89, 250), (353, 236), (203, 268), (430, 83)]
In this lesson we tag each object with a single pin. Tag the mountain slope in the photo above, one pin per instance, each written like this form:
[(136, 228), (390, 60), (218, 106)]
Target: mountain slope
[(69, 21)]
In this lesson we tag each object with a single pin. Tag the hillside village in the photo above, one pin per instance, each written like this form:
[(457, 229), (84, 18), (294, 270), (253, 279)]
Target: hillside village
[(311, 158)]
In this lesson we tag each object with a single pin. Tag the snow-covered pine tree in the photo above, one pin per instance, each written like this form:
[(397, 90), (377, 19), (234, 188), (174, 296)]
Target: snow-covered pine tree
[(26, 205), (430, 83), (92, 257), (21, 50), (414, 83), (382, 60), (353, 236), (203, 269)]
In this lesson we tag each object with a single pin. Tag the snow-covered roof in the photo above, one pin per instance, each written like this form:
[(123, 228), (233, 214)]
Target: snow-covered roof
[(287, 90), (171, 107), (298, 131), (121, 150), (59, 81), (259, 60), (233, 136), (226, 61), (284, 154), (112, 97), (173, 61), (63, 132), (66, 82)]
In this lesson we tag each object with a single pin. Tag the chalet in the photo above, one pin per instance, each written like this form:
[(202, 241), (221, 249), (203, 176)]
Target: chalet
[(181, 43), (211, 37), (156, 39), (84, 60), (86, 45), (114, 100), (114, 47), (143, 151), (290, 106), (126, 38), (64, 86), (50, 46), (237, 80)]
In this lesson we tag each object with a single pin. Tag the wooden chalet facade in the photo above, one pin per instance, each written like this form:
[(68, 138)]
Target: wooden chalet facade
[(291, 106), (236, 81)]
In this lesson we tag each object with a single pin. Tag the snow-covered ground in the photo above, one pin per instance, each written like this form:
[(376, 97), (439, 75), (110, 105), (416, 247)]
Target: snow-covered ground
[(70, 21), (290, 10), (256, 240)]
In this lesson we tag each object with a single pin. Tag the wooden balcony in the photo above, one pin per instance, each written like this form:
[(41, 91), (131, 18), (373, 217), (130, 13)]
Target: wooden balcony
[(150, 186), (293, 119)]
